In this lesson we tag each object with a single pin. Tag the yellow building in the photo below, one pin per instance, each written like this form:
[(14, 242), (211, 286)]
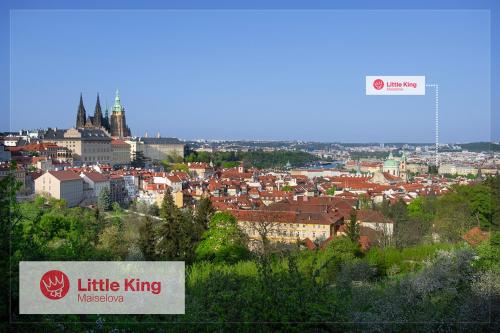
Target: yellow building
[(289, 226), (66, 185), (121, 152), (177, 196), (88, 145), (156, 149)]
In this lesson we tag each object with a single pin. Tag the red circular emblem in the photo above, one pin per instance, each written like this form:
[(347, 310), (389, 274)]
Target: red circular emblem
[(378, 84), (54, 284)]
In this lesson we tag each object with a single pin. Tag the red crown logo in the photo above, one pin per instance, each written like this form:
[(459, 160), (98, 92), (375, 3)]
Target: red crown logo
[(54, 284), (378, 84)]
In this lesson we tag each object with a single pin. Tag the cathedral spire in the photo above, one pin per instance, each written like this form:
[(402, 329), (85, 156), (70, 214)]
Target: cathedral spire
[(81, 116), (98, 120)]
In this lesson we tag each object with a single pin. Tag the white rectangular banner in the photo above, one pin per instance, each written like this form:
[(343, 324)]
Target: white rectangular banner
[(395, 85), (101, 287)]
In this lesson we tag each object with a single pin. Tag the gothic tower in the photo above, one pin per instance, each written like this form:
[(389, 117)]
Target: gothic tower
[(98, 120), (117, 121), (81, 116)]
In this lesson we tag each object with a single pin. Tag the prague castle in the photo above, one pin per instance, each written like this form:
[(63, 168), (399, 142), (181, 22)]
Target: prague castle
[(116, 124), (106, 139)]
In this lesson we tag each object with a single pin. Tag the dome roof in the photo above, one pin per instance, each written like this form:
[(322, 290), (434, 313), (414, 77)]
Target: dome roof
[(390, 162)]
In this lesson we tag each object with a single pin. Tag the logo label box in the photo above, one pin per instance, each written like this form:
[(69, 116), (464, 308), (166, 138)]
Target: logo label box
[(395, 85), (102, 287)]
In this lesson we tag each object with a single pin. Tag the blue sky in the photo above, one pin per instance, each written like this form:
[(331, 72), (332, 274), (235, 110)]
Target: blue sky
[(254, 74)]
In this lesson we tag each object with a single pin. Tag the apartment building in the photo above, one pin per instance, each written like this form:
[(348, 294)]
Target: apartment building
[(88, 145), (65, 185)]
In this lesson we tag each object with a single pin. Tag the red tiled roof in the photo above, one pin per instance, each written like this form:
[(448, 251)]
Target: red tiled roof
[(198, 165), (285, 217), (96, 177), (35, 159), (388, 176), (118, 142), (368, 215), (174, 179), (65, 175), (34, 147), (156, 187), (36, 174)]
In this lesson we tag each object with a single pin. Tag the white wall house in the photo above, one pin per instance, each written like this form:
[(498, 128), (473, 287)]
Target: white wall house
[(65, 185), (95, 181)]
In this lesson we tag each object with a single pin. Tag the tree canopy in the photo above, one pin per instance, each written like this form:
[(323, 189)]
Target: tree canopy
[(224, 241)]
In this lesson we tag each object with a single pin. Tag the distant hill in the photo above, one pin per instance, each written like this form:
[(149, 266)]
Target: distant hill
[(481, 146)]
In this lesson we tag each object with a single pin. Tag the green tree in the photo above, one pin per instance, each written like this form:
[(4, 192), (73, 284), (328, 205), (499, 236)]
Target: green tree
[(224, 241), (331, 190), (117, 209), (168, 208), (138, 160), (203, 213), (104, 201), (433, 170), (494, 184), (147, 239), (364, 202), (417, 224), (9, 219), (454, 217), (173, 158), (174, 166), (230, 164), (175, 232), (422, 209), (153, 209), (352, 226), (112, 241), (406, 231), (287, 188), (384, 207), (479, 202)]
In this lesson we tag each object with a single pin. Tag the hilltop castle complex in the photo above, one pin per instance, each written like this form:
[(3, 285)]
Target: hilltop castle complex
[(116, 125)]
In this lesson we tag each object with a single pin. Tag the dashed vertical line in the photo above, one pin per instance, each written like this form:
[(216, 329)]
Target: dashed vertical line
[(437, 125), (436, 119)]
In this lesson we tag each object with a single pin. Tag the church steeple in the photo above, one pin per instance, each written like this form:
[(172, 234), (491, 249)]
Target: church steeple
[(81, 116), (117, 121), (98, 120), (117, 107)]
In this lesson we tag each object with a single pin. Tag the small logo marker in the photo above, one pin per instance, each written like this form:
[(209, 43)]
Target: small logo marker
[(54, 284)]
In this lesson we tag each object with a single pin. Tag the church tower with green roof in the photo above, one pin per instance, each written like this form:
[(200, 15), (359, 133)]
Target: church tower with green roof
[(118, 122)]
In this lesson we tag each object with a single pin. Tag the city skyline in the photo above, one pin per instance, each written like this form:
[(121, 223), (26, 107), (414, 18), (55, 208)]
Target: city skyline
[(147, 133), (303, 82)]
